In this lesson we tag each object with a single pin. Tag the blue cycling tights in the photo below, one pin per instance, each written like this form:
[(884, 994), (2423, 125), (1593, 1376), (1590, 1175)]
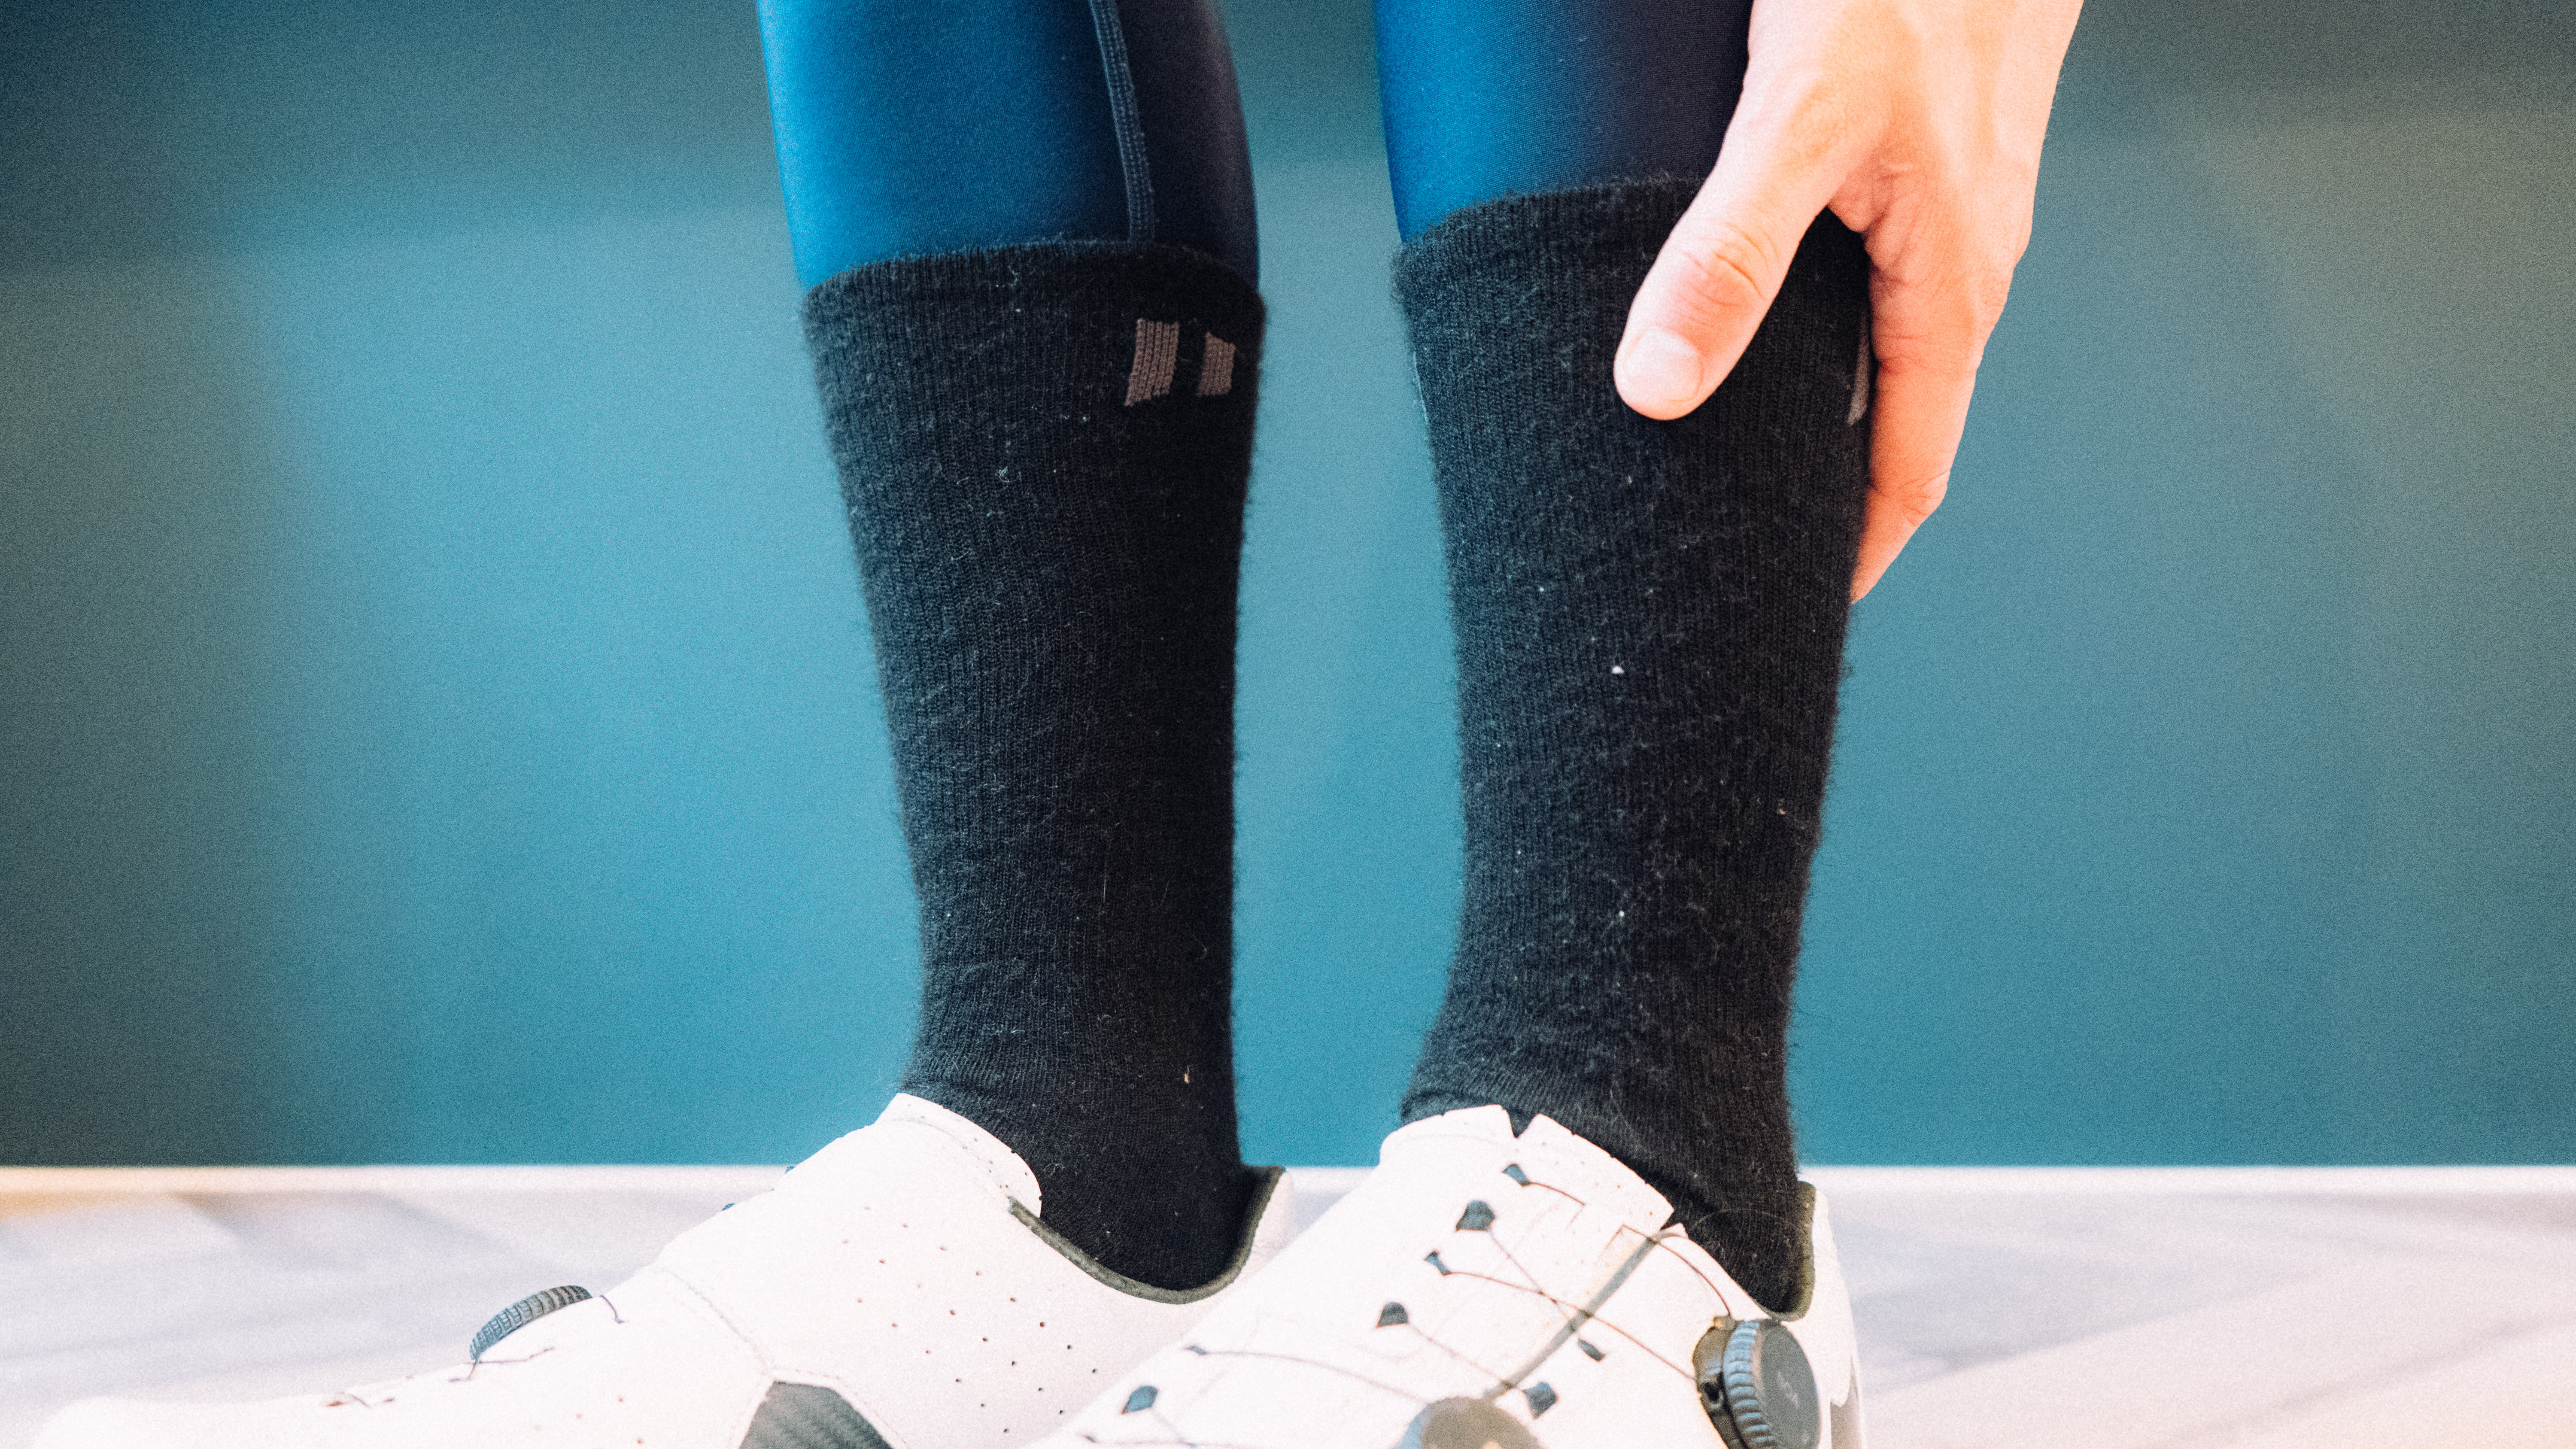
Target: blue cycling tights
[(908, 128)]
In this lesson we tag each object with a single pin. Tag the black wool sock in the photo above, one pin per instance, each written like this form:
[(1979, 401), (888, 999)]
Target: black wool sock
[(1650, 625), (1044, 451)]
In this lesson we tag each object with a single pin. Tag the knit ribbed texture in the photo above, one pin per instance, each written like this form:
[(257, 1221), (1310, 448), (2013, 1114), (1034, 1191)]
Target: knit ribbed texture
[(1044, 451), (1650, 625)]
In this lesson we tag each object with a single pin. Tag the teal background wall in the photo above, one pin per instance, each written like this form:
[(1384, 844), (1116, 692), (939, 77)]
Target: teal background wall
[(436, 721)]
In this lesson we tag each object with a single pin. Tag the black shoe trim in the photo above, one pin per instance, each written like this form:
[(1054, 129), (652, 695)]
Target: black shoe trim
[(1265, 1186), (809, 1416), (1805, 1298)]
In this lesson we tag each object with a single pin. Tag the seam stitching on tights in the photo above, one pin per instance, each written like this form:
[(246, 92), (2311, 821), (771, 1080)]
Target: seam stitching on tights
[(1123, 116)]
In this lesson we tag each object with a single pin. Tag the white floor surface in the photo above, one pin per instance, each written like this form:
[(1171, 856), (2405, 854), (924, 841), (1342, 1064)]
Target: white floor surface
[(1999, 1308)]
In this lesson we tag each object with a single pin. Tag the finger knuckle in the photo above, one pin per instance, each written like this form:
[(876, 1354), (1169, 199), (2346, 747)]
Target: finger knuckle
[(1918, 500), (1723, 266)]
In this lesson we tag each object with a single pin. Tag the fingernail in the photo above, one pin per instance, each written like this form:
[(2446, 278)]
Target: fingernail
[(1660, 368)]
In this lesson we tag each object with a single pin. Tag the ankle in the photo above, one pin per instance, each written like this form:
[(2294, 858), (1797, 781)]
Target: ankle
[(1147, 1184)]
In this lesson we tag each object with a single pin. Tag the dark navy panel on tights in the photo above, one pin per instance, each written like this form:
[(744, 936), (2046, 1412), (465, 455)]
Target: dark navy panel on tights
[(1489, 97), (906, 129), (1193, 121)]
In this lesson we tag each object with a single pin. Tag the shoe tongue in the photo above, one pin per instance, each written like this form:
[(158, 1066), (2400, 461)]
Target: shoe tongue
[(986, 1151), (1545, 1152)]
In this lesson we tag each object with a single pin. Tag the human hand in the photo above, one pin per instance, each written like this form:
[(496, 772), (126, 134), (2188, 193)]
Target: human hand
[(1919, 123)]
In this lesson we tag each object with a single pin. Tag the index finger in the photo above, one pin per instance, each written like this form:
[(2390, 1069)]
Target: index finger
[(1921, 413)]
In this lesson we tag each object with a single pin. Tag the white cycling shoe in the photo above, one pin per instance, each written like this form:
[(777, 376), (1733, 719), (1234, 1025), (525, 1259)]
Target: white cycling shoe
[(896, 1291), (1487, 1291)]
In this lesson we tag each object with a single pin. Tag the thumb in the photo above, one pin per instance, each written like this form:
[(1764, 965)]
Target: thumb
[(1720, 268)]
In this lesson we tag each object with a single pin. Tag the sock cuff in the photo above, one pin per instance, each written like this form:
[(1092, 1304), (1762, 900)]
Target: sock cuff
[(1106, 325), (1543, 231), (1560, 268)]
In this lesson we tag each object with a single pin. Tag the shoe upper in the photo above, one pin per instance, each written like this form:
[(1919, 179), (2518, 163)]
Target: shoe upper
[(1483, 1290), (895, 1291)]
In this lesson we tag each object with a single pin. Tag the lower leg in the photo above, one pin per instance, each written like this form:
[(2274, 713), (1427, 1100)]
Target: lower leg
[(1042, 416), (1650, 620)]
